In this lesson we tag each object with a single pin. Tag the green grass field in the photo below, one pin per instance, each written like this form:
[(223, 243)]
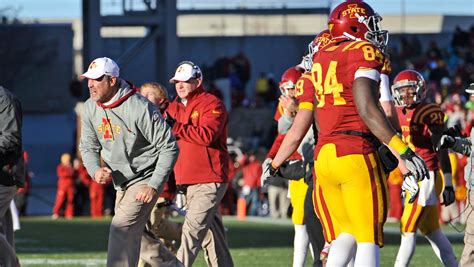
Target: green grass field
[(255, 242)]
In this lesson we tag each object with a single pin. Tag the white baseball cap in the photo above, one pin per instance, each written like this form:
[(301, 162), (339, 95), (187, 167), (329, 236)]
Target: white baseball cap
[(185, 71), (470, 89), (101, 66)]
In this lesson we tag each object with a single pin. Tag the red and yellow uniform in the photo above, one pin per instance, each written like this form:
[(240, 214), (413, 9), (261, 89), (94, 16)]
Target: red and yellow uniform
[(347, 167), (415, 124), (304, 94), (279, 138), (66, 186)]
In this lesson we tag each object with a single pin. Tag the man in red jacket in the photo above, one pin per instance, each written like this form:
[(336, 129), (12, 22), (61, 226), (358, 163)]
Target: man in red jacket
[(199, 122)]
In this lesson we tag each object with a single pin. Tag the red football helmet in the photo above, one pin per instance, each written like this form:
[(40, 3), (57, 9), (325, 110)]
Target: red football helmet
[(320, 41), (408, 79), (289, 79), (356, 20)]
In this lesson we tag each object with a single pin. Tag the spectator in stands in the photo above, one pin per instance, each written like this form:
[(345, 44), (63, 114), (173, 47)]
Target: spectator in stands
[(261, 87), (460, 38), (242, 67)]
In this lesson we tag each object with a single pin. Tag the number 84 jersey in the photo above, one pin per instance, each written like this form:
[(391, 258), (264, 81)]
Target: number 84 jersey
[(334, 70)]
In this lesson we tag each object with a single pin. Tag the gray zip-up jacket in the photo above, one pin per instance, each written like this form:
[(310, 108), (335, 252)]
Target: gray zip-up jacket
[(131, 136)]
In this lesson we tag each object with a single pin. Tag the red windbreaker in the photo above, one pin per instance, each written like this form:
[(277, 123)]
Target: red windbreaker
[(201, 132)]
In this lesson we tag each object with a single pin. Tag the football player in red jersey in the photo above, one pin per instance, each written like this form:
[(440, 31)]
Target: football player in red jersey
[(298, 98), (346, 77), (286, 111), (422, 126)]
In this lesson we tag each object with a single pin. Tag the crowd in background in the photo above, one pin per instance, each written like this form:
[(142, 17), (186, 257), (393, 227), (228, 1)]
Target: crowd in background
[(447, 70)]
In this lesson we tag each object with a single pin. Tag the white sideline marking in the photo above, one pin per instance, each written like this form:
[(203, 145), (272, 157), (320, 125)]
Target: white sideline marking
[(85, 262), (26, 241), (43, 249)]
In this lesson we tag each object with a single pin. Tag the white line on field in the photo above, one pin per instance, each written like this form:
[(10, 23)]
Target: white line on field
[(83, 262)]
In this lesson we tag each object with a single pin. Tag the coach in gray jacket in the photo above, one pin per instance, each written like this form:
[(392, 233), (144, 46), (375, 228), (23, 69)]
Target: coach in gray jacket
[(139, 152)]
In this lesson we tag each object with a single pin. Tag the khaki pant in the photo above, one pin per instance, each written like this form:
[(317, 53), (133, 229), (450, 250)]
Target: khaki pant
[(467, 258), (202, 204), (159, 227), (279, 201), (128, 233), (7, 247)]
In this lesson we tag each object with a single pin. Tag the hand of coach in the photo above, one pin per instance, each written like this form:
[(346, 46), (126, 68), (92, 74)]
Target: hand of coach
[(146, 194), (102, 175)]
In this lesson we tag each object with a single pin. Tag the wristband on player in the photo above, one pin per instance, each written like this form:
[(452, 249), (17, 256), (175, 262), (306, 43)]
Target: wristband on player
[(448, 179), (397, 144)]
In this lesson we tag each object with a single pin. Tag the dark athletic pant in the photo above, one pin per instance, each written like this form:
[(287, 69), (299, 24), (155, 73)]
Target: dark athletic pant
[(313, 226)]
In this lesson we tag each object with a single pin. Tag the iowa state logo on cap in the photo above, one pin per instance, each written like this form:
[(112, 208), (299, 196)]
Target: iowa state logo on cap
[(180, 69), (352, 9), (93, 65)]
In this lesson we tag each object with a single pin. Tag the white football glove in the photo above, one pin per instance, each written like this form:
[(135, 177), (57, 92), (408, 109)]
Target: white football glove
[(415, 164), (410, 184), (266, 174)]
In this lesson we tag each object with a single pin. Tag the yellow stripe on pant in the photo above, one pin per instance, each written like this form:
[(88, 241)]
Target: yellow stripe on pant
[(330, 228), (424, 218)]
